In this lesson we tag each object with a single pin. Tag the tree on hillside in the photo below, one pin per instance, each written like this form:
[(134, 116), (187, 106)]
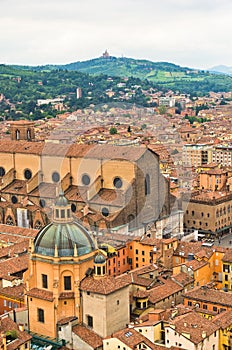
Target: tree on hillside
[(113, 130)]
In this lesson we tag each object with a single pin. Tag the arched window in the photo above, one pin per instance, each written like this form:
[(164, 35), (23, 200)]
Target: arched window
[(28, 134), (147, 185), (73, 207), (17, 134)]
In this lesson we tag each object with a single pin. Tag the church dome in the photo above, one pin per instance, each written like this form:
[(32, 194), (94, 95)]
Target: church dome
[(64, 236), (99, 259)]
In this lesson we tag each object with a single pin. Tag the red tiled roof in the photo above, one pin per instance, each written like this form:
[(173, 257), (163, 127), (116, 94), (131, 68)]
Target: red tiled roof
[(168, 288), (6, 325), (224, 319), (88, 336), (73, 150), (40, 294), (210, 295), (104, 285), (194, 324), (14, 292), (183, 278), (227, 256), (14, 265), (66, 320), (132, 338)]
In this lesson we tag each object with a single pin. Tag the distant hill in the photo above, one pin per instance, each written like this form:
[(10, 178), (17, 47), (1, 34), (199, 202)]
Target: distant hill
[(102, 80), (221, 69), (126, 67), (162, 75), (123, 66)]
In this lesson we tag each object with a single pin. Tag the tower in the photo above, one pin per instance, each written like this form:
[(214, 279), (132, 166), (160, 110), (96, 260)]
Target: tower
[(22, 130)]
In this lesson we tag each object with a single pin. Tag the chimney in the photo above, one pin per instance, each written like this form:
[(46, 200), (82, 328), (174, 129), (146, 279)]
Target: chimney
[(155, 315), (203, 334), (21, 327)]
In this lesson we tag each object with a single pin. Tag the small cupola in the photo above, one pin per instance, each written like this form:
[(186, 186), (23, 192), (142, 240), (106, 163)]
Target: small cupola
[(100, 265), (62, 210)]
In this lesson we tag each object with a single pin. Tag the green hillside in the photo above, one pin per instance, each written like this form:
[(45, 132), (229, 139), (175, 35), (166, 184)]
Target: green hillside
[(162, 74), (159, 74), (101, 80)]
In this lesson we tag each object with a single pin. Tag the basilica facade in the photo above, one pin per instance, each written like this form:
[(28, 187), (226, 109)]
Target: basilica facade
[(107, 186)]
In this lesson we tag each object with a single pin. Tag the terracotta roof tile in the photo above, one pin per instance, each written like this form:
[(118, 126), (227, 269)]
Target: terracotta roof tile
[(186, 248), (17, 231), (14, 265), (227, 256), (6, 324), (195, 325), (210, 295), (138, 276), (183, 278), (132, 338), (73, 150), (14, 250), (66, 320), (88, 336), (195, 264), (224, 319), (168, 288), (105, 285), (14, 292), (66, 295), (40, 294), (113, 197)]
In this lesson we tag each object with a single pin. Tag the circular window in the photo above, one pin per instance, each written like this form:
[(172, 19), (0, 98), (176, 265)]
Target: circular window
[(117, 182), (14, 199), (105, 211), (42, 203), (55, 176), (73, 207), (2, 171), (27, 174), (85, 179)]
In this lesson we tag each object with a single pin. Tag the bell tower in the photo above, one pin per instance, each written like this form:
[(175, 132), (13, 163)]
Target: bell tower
[(22, 130)]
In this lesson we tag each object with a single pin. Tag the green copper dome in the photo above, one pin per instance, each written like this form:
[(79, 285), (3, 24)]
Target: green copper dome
[(63, 240), (63, 237)]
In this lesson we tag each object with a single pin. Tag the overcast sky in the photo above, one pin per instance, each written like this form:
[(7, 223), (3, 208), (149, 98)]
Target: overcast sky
[(193, 33)]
